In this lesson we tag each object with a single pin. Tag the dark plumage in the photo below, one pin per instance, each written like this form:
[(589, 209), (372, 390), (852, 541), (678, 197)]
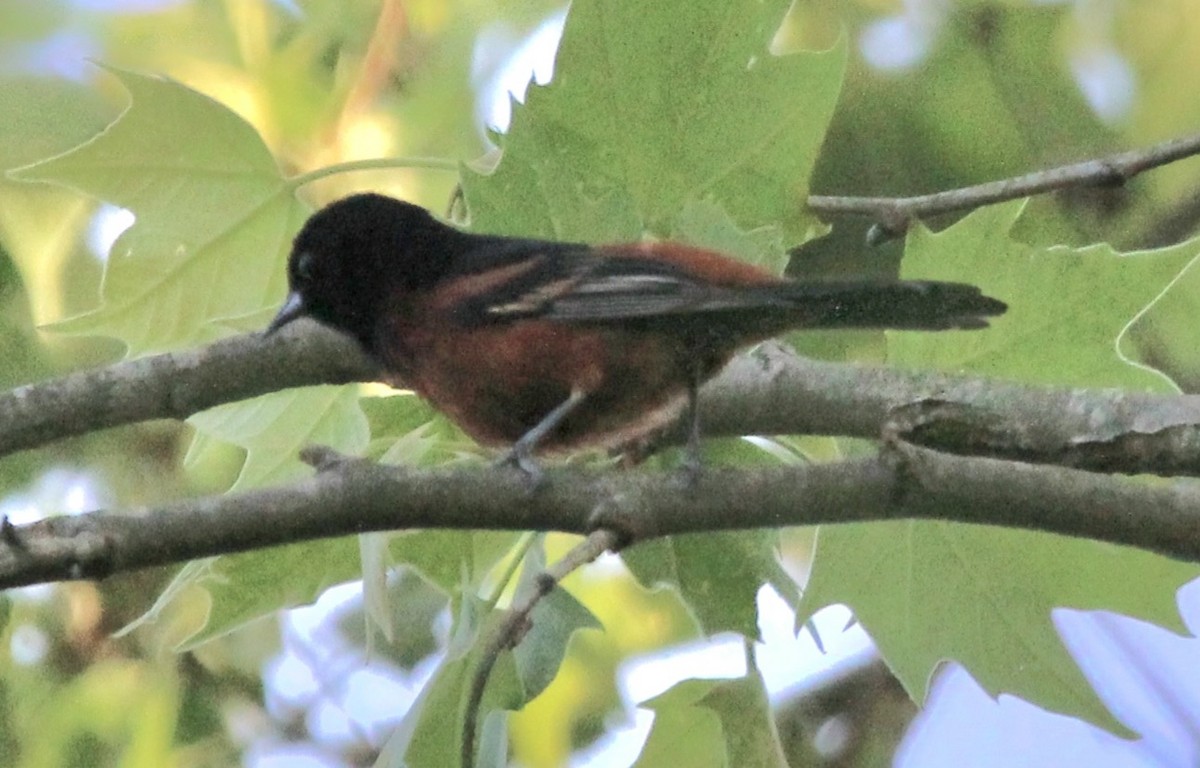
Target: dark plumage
[(500, 332)]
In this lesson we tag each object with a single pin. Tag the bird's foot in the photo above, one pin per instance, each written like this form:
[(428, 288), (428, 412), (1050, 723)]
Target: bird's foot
[(519, 457)]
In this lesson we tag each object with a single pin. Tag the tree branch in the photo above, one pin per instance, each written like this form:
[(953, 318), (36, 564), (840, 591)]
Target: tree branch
[(176, 385), (516, 623), (770, 391), (894, 214), (356, 496)]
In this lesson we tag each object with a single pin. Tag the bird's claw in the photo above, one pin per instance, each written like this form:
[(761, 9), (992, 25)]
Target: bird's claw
[(522, 459), (690, 470)]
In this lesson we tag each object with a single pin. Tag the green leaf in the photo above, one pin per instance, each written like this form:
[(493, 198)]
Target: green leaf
[(431, 731), (430, 734), (685, 732), (241, 588), (931, 591), (274, 428), (407, 430), (416, 637), (706, 224), (44, 117), (713, 723), (396, 415), (1069, 309), (432, 728), (746, 719), (257, 584), (982, 596), (40, 225), (448, 558), (556, 617), (493, 741), (655, 105), (210, 598), (718, 575), (214, 216), (377, 608)]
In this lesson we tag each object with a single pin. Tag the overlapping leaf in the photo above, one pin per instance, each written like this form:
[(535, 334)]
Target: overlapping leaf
[(214, 216), (655, 105), (933, 591)]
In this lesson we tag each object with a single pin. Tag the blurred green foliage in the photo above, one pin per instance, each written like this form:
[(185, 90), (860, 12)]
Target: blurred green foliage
[(703, 121)]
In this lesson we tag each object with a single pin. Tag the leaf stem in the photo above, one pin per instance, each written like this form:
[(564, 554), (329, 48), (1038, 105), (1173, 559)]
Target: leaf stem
[(373, 164), (518, 556)]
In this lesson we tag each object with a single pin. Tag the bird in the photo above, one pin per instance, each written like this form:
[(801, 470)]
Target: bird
[(551, 347)]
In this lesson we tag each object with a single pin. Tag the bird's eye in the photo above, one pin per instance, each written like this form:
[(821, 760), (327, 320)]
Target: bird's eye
[(305, 266)]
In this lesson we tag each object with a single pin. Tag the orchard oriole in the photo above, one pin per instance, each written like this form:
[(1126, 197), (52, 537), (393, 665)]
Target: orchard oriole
[(554, 346)]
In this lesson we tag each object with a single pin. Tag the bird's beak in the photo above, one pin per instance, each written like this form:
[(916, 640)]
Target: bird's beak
[(292, 309)]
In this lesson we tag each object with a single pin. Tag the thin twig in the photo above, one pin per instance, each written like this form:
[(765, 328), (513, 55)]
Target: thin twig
[(895, 214), (517, 622)]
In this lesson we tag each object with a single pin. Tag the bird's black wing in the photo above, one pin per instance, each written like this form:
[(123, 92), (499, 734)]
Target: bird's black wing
[(590, 286)]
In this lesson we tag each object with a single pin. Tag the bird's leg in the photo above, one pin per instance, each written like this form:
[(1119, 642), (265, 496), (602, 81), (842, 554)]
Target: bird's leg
[(521, 453), (692, 461)]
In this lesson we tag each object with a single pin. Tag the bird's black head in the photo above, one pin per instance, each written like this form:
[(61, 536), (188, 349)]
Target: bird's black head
[(355, 255)]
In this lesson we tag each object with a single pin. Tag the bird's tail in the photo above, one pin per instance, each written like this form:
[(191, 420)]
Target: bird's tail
[(897, 304)]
